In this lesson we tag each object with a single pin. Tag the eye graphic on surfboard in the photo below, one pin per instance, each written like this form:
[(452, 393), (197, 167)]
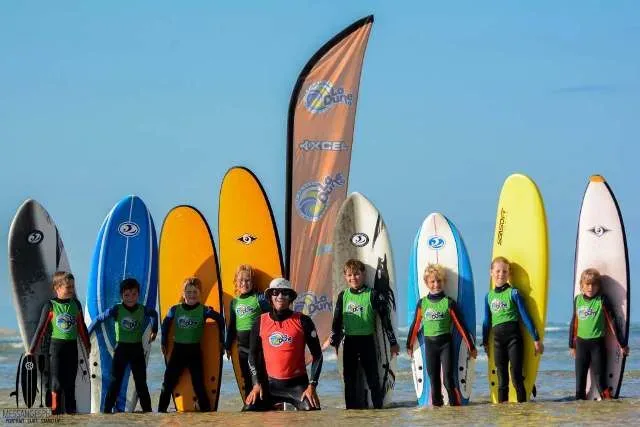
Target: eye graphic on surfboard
[(35, 237), (247, 239), (599, 230), (359, 239), (129, 229)]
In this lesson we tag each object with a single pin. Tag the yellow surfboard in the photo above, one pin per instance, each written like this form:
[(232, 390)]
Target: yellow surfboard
[(247, 235), (187, 249), (521, 237)]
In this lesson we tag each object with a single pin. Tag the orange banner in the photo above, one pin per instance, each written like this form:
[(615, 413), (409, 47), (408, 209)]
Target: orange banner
[(322, 113)]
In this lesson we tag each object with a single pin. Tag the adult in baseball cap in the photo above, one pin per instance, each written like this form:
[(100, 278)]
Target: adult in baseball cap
[(281, 336)]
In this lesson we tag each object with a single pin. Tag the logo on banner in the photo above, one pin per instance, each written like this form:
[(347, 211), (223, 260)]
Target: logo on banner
[(310, 304), (359, 240), (311, 145), (436, 242), (327, 248), (322, 96), (129, 229), (312, 199)]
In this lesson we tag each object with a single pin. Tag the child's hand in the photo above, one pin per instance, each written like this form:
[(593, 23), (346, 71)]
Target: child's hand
[(254, 394), (395, 349), (626, 350), (163, 348), (572, 352), (538, 348), (228, 354), (410, 352), (486, 348), (153, 336), (473, 353)]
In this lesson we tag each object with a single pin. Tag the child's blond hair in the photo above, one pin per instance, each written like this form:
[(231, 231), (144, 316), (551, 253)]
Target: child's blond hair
[(502, 260), (242, 268), (590, 275), (436, 270)]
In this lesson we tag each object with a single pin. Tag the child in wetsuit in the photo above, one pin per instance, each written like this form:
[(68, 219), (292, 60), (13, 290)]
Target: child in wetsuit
[(504, 307), (245, 309), (354, 318), (129, 317), (189, 318), (592, 316), (436, 314), (62, 318)]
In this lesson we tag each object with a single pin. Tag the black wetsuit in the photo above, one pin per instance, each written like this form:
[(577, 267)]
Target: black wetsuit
[(360, 350), (63, 358), (278, 391)]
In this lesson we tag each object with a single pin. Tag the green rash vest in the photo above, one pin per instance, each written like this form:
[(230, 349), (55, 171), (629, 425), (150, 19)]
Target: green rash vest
[(357, 313), (129, 324), (436, 319), (503, 309), (63, 322), (247, 311), (189, 324), (590, 314)]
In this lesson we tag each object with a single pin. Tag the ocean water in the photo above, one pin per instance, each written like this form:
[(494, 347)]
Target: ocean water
[(553, 405)]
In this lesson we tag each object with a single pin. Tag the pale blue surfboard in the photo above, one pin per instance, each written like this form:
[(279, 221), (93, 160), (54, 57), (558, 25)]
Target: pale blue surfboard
[(126, 248), (439, 241)]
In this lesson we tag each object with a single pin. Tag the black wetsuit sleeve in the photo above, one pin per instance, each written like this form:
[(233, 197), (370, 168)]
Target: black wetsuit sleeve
[(608, 310), (43, 326), (231, 327), (83, 333), (166, 324), (313, 342), (458, 322), (382, 308), (415, 325), (255, 353), (336, 325), (573, 326)]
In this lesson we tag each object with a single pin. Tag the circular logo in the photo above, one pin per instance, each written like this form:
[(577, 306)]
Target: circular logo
[(35, 237), (598, 230), (315, 96), (436, 242), (247, 239), (29, 366), (65, 322), (359, 239), (129, 323), (129, 229), (308, 202)]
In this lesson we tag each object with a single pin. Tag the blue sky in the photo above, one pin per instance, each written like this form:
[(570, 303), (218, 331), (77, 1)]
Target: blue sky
[(98, 101)]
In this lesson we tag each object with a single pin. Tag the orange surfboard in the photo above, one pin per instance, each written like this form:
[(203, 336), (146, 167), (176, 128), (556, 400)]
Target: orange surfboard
[(187, 249), (248, 235)]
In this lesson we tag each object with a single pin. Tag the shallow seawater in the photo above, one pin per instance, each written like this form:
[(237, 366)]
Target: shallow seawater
[(554, 404)]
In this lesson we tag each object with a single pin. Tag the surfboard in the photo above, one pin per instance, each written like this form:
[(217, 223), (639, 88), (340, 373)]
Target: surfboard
[(248, 235), (601, 244), (520, 235), (126, 248), (361, 233), (438, 241), (36, 252), (187, 250)]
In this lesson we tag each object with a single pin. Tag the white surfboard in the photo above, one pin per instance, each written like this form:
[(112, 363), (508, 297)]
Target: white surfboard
[(439, 242), (361, 234), (601, 244)]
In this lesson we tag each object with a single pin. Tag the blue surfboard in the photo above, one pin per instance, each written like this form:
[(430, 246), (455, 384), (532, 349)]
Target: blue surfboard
[(126, 247), (438, 241)]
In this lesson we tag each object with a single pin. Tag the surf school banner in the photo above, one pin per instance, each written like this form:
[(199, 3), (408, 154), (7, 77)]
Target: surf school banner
[(322, 113)]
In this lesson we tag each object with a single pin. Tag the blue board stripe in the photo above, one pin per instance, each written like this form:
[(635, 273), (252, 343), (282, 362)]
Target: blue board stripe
[(466, 297)]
